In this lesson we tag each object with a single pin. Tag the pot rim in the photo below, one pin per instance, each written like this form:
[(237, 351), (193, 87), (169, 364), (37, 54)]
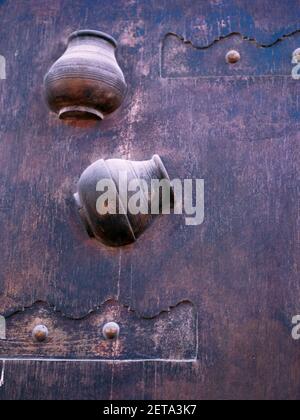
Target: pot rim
[(98, 34)]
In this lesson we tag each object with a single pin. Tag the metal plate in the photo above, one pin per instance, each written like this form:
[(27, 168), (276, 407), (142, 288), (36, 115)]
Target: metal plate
[(168, 336)]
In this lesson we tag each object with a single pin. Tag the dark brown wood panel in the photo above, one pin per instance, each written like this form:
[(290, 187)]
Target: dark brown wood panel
[(98, 380), (240, 269)]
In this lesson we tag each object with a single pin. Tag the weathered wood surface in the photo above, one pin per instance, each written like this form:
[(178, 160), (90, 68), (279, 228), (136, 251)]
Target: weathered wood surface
[(182, 58), (168, 336), (241, 134)]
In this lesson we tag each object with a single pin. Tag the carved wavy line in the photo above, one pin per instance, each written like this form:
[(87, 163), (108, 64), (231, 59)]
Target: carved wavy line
[(96, 309), (230, 35)]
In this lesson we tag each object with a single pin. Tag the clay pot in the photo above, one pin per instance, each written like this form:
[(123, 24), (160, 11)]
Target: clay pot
[(86, 82), (123, 227)]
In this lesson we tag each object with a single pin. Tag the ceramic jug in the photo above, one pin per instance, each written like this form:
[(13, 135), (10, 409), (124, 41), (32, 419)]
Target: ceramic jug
[(86, 82)]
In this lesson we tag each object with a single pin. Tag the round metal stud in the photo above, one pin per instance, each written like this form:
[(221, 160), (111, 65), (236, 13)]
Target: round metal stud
[(111, 331), (40, 333), (233, 57)]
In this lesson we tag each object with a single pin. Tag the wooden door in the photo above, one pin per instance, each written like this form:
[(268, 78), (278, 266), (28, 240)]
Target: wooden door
[(205, 312)]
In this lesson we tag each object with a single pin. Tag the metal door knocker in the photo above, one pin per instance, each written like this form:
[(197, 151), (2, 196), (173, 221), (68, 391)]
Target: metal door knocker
[(118, 199)]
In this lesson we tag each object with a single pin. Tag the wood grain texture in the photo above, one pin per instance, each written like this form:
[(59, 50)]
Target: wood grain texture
[(240, 268), (181, 58), (168, 336)]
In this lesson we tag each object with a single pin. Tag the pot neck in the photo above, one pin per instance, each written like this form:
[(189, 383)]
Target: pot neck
[(94, 36)]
